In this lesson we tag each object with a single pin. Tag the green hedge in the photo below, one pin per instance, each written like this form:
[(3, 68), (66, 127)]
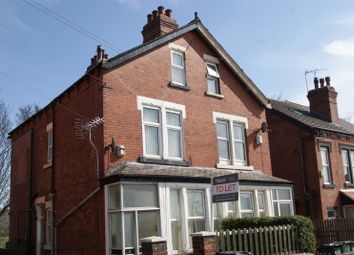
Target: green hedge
[(306, 240)]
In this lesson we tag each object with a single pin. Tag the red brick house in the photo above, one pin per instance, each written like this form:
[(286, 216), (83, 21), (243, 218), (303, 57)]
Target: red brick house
[(314, 148), (177, 111)]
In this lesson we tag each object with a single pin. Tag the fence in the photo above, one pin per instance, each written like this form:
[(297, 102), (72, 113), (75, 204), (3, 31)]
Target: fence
[(259, 241), (328, 231)]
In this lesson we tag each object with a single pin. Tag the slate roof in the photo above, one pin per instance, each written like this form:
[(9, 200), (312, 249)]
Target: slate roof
[(134, 170), (314, 121)]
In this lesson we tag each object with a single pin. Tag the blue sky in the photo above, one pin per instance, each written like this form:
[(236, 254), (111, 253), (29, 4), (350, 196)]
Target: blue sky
[(274, 41)]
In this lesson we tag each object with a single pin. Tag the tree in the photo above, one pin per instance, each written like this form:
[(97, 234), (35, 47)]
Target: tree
[(5, 148), (25, 112)]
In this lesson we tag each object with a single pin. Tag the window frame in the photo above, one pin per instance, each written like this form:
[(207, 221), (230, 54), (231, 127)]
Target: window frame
[(282, 201), (232, 120), (349, 164), (211, 77), (121, 211), (248, 211), (326, 149), (180, 68), (50, 138), (164, 107)]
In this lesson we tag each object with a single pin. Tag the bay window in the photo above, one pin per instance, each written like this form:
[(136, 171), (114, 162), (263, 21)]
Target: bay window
[(133, 213)]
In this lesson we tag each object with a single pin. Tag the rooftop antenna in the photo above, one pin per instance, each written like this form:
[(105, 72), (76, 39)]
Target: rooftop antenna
[(88, 126), (314, 72)]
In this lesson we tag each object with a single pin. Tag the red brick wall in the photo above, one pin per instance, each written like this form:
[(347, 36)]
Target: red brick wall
[(75, 165), (286, 161), (150, 75)]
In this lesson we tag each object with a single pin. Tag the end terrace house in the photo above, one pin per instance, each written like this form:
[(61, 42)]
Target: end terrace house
[(128, 150)]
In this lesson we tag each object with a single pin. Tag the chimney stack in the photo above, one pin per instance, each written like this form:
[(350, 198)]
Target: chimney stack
[(323, 99), (159, 22), (99, 57)]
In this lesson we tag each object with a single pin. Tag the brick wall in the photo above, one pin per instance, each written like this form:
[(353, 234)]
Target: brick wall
[(150, 75)]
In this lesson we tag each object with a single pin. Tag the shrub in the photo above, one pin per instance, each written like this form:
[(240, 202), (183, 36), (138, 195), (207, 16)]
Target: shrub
[(305, 236)]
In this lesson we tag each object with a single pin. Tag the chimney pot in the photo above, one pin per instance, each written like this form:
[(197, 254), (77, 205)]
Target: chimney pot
[(328, 81), (160, 10), (154, 13), (322, 82), (149, 18), (315, 81), (168, 13)]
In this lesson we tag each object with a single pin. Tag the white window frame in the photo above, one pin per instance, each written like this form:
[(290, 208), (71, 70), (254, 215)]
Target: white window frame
[(348, 164), (49, 142), (252, 211), (121, 210), (164, 107), (282, 201), (213, 77), (231, 120), (326, 166), (182, 68)]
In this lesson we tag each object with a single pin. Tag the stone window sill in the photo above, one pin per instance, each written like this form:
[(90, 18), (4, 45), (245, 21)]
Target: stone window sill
[(210, 94), (234, 167), (49, 164), (142, 159), (329, 186), (349, 185), (178, 86)]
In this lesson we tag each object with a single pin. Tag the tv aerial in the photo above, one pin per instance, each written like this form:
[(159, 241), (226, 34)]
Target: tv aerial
[(314, 72)]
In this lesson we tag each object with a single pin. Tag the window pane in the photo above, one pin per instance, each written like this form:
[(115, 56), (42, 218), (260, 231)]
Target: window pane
[(222, 130), (246, 214), (325, 174), (177, 59), (285, 209), (115, 227), (246, 201), (178, 75), (176, 235), (261, 201), (274, 194), (196, 226), (212, 86), (239, 151), (345, 159), (173, 119), (324, 156), (152, 140), (275, 207), (148, 224), (151, 115), (212, 70), (352, 162), (174, 143), (231, 209), (50, 153), (223, 147), (284, 194), (174, 204), (238, 132), (195, 203), (141, 195), (114, 197), (129, 229)]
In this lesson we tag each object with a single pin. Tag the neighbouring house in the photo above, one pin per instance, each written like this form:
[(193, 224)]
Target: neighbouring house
[(314, 148), (177, 110)]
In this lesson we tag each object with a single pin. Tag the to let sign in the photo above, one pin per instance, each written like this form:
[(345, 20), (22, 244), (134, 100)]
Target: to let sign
[(225, 188)]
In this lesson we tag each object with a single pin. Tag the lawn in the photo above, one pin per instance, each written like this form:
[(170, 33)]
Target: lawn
[(3, 240)]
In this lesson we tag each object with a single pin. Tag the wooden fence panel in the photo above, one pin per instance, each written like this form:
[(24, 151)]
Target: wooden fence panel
[(260, 241), (334, 230)]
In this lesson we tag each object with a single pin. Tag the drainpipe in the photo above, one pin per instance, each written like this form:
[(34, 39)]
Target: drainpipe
[(53, 237), (30, 196), (304, 175)]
